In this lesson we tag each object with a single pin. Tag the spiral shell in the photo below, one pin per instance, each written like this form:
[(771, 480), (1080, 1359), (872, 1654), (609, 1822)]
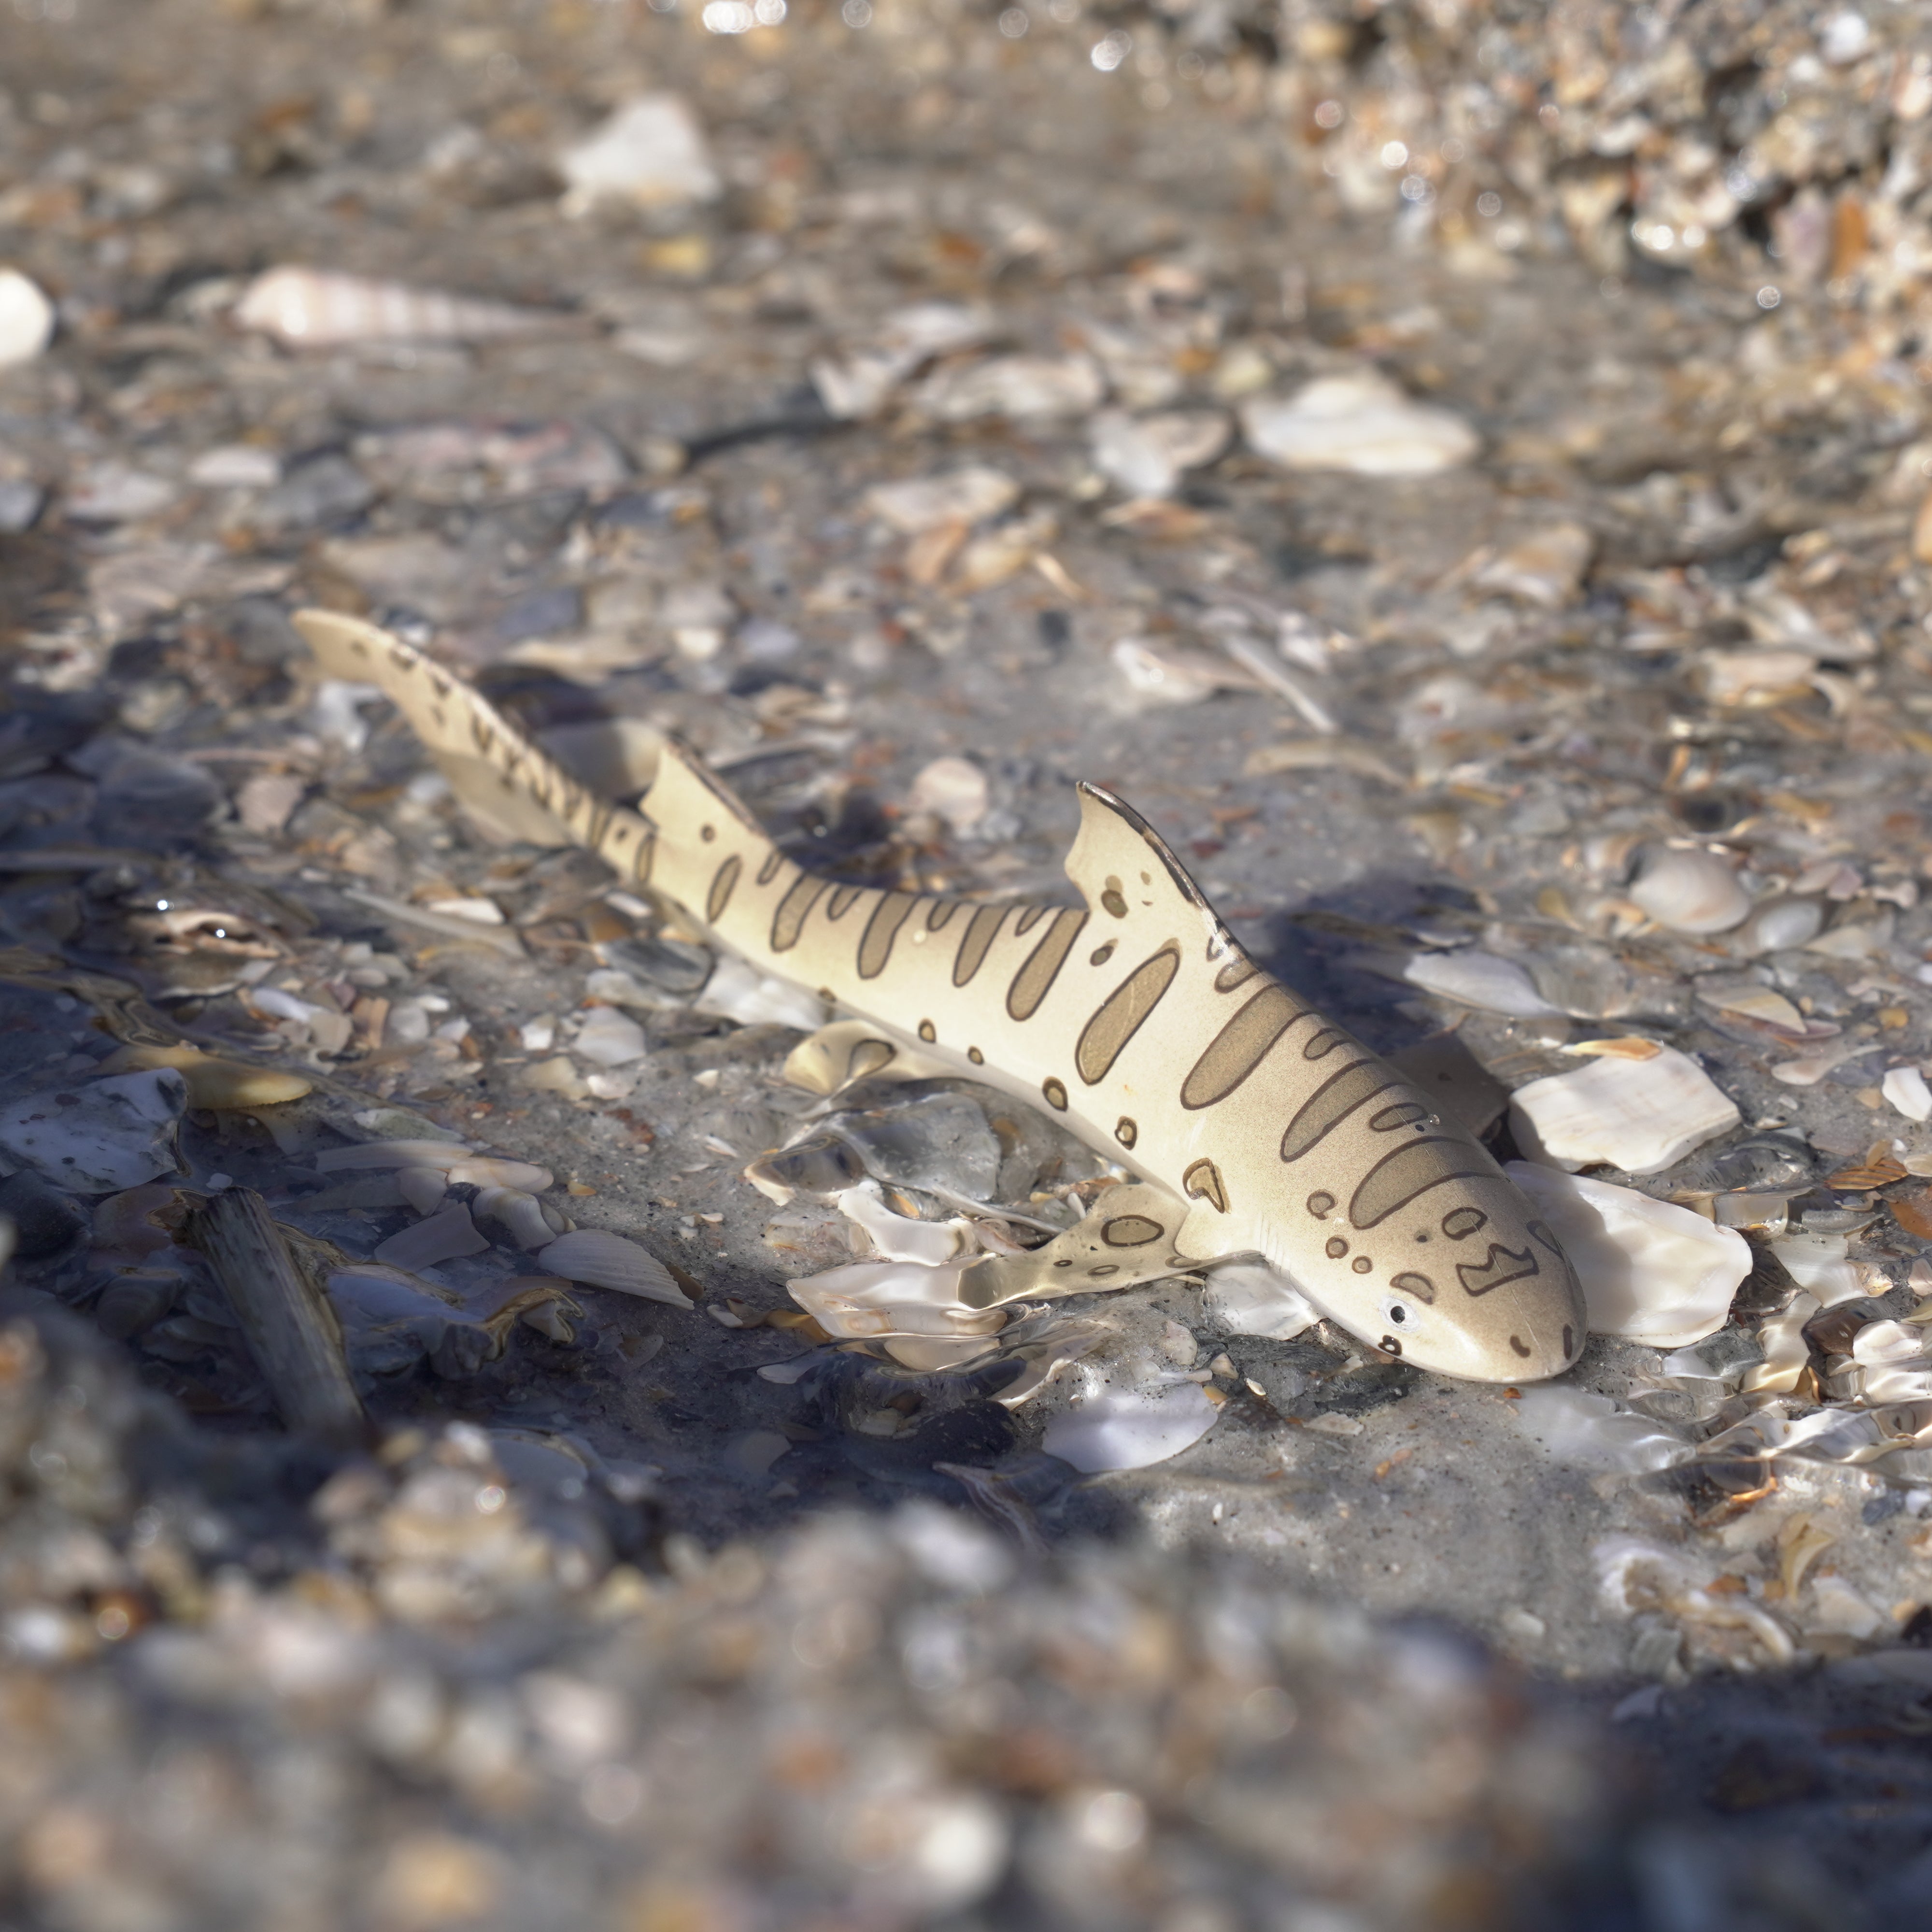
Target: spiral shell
[(311, 308)]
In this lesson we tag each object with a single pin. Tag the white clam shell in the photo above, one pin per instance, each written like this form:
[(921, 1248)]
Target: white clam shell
[(522, 1213), (608, 1038), (1690, 892), (26, 318), (484, 1170), (1905, 1088), (1779, 924), (922, 503), (98, 1136), (600, 1259), (1639, 1115), (1130, 1427), (441, 1237), (1483, 979), (1650, 1271), (651, 151)]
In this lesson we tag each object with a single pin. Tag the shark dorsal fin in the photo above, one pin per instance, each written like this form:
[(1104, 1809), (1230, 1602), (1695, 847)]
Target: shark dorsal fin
[(1126, 873)]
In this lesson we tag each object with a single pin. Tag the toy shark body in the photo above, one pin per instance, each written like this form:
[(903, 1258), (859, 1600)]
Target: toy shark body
[(1136, 1018)]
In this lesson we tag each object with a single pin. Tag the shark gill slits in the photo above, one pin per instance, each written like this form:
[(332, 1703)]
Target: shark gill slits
[(1459, 1223), (768, 871), (1119, 1016), (722, 884), (1412, 1171), (1240, 1046), (1321, 1204), (1418, 1287), (978, 1058), (794, 909), (927, 1032), (1501, 1265), (1363, 1265), (1032, 981), (1332, 1102), (1335, 1247), (1113, 900), (843, 899), (1203, 1182), (1055, 1091), (1126, 1131), (1102, 954), (881, 929), (1130, 1231), (976, 941)]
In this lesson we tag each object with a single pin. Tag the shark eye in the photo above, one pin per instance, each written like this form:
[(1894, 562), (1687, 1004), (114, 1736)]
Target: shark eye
[(1401, 1316)]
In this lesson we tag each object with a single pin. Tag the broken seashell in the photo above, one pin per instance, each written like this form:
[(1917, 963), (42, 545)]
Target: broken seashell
[(1758, 1003), (608, 1038), (486, 1170), (311, 308), (422, 1188), (1252, 1298), (1776, 925), (1147, 456), (737, 990), (220, 1085), (1753, 679), (600, 1259), (922, 503), (441, 1237), (1590, 1431), (1905, 1088), (1690, 892), (1627, 1046), (1811, 1068), (1816, 1260), (1130, 1427), (101, 1136), (391, 1154), (529, 1221), (898, 1237), (1544, 568), (1362, 423), (1163, 674), (651, 152), (1650, 1271), (26, 318), (1477, 979), (1639, 1115)]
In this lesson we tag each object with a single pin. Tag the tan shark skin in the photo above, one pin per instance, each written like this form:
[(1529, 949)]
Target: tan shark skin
[(1136, 1018)]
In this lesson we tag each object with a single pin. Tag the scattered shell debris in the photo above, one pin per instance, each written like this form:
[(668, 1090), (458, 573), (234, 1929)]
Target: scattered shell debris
[(1465, 476)]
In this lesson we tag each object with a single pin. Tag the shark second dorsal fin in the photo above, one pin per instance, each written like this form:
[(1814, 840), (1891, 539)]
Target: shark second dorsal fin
[(1125, 872)]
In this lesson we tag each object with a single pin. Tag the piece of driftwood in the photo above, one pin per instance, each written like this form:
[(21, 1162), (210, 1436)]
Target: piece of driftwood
[(291, 1329)]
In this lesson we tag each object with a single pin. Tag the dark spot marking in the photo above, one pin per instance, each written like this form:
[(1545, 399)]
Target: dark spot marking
[(1065, 1261), (1459, 1223), (1499, 1266), (975, 942), (794, 909), (1126, 1132), (1389, 1345), (1032, 982), (1203, 1182), (978, 1058), (1112, 900), (1101, 954), (843, 899), (1236, 972), (1413, 1169), (707, 832), (1055, 1091), (881, 929), (927, 1031), (1419, 1285), (1101, 1273), (1362, 1264), (1332, 1103), (1336, 1247), (939, 913), (1403, 1114), (1518, 1344), (1130, 1231), (1119, 1016), (1321, 1203), (722, 886), (768, 871), (1240, 1046), (1569, 1343), (1029, 918)]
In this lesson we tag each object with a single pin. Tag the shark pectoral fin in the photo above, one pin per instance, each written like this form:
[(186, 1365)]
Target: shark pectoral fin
[(499, 809), (836, 1055), (1129, 1238)]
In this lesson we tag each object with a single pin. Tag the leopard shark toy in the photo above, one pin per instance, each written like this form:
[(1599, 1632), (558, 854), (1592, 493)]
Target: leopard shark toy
[(1256, 1126)]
